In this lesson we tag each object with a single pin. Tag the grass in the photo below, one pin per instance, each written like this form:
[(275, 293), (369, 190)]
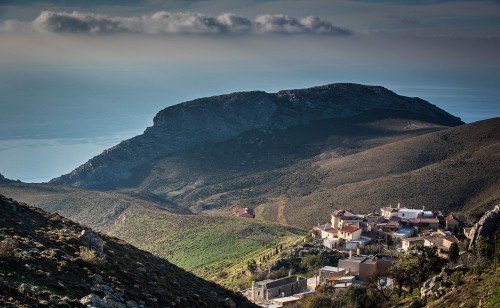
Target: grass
[(205, 245)]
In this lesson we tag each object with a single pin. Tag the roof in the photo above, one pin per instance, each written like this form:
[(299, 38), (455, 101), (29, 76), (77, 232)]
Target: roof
[(350, 229), (452, 239), (411, 210), (325, 227), (425, 220), (332, 269), (393, 223), (245, 211), (269, 284), (413, 239), (389, 209), (287, 299), (338, 212)]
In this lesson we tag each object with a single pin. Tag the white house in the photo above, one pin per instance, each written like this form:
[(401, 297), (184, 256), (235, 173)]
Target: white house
[(406, 243), (406, 214)]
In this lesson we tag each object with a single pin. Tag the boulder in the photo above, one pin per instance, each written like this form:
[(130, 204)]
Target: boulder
[(92, 240)]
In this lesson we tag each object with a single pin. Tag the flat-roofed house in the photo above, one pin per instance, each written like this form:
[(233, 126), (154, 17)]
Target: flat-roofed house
[(366, 266), (406, 243), (269, 289), (327, 272)]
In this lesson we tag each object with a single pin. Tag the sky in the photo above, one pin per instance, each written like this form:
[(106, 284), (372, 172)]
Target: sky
[(77, 77)]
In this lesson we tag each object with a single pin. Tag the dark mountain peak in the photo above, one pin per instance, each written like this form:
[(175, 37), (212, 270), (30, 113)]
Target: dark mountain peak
[(48, 260), (220, 118), (4, 180)]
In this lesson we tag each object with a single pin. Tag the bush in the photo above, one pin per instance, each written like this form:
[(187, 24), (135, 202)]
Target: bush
[(91, 256), (7, 248), (456, 278)]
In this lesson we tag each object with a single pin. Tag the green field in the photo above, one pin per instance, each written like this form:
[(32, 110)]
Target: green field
[(205, 245)]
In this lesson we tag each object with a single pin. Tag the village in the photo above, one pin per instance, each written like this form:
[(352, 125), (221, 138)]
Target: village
[(370, 244)]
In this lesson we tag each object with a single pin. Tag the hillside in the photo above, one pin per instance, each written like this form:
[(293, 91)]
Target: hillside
[(200, 243), (453, 170), (211, 120), (42, 263)]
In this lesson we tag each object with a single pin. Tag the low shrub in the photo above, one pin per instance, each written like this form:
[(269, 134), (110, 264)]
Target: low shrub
[(91, 256), (456, 278), (7, 248)]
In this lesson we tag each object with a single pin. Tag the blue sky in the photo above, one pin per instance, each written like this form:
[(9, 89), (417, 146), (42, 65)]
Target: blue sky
[(80, 76)]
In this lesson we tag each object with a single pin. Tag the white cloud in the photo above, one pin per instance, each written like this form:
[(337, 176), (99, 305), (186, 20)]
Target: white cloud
[(164, 22), (286, 24)]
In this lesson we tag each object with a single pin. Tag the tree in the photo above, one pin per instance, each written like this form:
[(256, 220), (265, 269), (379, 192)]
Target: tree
[(382, 285), (416, 266), (454, 252)]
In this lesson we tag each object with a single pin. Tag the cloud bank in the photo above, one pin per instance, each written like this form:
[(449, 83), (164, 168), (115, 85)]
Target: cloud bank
[(173, 23)]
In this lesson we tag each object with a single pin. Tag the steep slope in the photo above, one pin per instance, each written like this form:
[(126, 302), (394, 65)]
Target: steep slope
[(216, 119), (42, 263)]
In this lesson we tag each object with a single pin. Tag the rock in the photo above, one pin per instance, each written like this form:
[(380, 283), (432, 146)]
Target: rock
[(24, 288), (65, 231), (229, 303), (131, 304), (92, 240), (93, 300), (485, 227), (141, 270), (414, 304)]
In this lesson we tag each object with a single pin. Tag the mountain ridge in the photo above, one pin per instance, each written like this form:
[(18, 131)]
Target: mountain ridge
[(220, 118)]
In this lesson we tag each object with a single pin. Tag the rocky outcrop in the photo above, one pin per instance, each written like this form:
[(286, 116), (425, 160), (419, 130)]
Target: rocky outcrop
[(438, 285), (220, 118), (485, 227)]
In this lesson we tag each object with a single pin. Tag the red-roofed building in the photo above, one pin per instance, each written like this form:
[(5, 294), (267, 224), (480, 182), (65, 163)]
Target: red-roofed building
[(246, 212), (425, 223), (451, 222), (388, 211), (350, 233), (325, 231)]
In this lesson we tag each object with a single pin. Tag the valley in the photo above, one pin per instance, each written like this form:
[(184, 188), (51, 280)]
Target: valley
[(175, 190)]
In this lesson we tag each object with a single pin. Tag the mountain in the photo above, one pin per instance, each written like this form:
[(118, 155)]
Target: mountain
[(48, 260), (5, 180), (211, 120)]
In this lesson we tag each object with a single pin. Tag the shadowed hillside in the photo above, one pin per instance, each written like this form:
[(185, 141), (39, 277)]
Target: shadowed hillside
[(42, 262)]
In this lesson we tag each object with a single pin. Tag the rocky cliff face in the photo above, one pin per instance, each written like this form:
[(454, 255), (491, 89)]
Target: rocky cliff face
[(485, 227), (220, 118)]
